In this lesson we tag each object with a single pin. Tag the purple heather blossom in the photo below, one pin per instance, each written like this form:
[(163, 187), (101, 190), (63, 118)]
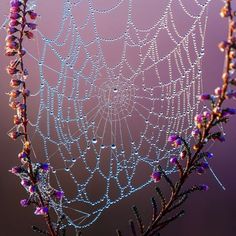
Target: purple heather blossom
[(14, 16), (198, 119), (207, 114), (175, 140), (196, 132), (26, 92), (22, 155), (11, 30), (220, 138), (25, 183), (44, 166), (209, 155), (218, 91), (172, 138), (25, 202), (32, 188), (205, 165), (32, 26), (204, 97), (156, 176), (41, 211), (16, 170), (229, 111), (183, 154), (14, 135), (204, 187), (58, 194), (200, 170), (15, 3), (32, 14), (15, 82), (173, 160)]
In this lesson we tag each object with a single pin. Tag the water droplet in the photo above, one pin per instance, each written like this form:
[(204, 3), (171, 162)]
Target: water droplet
[(115, 90), (94, 141), (113, 146)]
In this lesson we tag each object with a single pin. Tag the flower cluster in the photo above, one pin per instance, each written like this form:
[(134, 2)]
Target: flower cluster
[(206, 123), (19, 26), (34, 176)]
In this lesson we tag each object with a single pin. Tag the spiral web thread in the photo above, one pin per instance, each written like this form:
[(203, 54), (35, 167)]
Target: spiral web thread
[(104, 124)]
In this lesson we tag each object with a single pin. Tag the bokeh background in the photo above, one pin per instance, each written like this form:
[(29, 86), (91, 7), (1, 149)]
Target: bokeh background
[(211, 213)]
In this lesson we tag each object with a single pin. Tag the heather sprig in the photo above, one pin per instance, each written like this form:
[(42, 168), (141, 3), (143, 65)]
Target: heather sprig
[(33, 175), (193, 158)]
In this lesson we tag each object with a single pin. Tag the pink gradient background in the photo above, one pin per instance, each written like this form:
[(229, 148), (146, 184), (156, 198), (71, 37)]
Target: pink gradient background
[(212, 213)]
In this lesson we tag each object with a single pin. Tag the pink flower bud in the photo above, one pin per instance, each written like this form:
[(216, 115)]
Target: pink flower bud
[(15, 82), (41, 211), (14, 135), (204, 97), (223, 45), (32, 26), (26, 92), (156, 176), (29, 34), (218, 91), (14, 104), (32, 15), (17, 120), (224, 12), (14, 93)]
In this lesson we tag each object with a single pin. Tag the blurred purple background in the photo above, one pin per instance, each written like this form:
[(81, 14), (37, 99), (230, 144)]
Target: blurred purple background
[(211, 213)]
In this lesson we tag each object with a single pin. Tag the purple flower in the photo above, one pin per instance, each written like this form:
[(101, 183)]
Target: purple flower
[(14, 135), (15, 3), (41, 211), (22, 155), (198, 119), (220, 138), (183, 154), (13, 23), (44, 166), (175, 140), (200, 170), (25, 183), (195, 132), (32, 14), (58, 194), (229, 111), (16, 170), (32, 26), (32, 189), (218, 91), (207, 114), (11, 30), (204, 97), (204, 187), (14, 16), (156, 176), (172, 138), (209, 155), (15, 82), (173, 160), (25, 202), (26, 92), (205, 165)]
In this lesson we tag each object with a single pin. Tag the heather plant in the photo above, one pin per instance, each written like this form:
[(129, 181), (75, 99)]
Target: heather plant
[(33, 175), (193, 156)]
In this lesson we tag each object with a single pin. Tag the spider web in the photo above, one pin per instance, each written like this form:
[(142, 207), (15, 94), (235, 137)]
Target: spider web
[(116, 80)]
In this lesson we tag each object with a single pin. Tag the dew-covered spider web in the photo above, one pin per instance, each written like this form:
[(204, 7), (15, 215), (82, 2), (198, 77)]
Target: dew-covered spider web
[(111, 81)]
